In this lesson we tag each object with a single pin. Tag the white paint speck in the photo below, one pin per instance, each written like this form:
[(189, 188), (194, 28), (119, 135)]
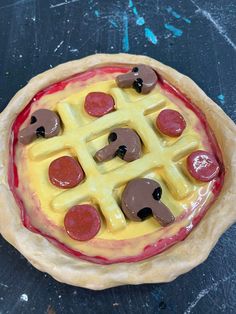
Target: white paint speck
[(59, 297), (215, 23), (12, 4), (20, 56), (52, 6), (205, 292), (24, 297), (74, 50), (33, 18), (167, 36), (58, 46)]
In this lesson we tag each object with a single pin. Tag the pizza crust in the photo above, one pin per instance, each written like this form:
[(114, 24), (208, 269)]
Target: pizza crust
[(164, 267)]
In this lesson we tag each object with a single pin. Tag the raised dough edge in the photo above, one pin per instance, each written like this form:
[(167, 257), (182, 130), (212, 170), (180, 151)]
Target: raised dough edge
[(164, 267)]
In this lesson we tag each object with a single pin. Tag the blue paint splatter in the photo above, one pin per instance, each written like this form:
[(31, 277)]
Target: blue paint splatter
[(131, 4), (135, 11), (150, 36), (187, 20), (113, 23), (177, 15), (125, 41), (221, 98), (140, 21), (96, 12), (176, 31), (174, 13)]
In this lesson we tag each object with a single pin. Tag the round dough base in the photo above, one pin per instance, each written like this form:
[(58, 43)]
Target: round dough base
[(164, 267)]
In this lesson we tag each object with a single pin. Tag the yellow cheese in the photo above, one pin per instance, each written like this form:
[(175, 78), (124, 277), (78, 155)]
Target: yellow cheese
[(163, 158)]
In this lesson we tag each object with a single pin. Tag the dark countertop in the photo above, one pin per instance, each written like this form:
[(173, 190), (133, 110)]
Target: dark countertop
[(197, 38)]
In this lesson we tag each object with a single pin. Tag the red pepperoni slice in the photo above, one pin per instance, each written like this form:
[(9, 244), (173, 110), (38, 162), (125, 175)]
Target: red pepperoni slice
[(170, 122), (98, 104), (202, 165), (65, 172), (82, 222)]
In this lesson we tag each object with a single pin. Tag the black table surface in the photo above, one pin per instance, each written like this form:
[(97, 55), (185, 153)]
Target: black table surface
[(196, 37)]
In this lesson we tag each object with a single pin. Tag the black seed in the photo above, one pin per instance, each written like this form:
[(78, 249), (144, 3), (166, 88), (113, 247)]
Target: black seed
[(157, 193), (121, 151), (162, 305), (135, 69), (138, 84), (144, 213), (33, 120), (40, 131), (112, 137)]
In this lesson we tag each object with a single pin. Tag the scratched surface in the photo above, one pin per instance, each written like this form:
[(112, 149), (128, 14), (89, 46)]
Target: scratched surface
[(196, 37)]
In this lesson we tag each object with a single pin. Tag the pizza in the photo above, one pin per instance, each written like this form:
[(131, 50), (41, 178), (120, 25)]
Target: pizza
[(115, 169)]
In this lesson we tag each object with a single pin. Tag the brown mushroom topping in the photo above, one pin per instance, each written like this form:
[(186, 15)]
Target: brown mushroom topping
[(44, 122), (141, 199), (142, 78), (124, 143)]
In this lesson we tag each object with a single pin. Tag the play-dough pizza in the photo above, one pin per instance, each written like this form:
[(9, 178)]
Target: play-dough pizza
[(115, 169)]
